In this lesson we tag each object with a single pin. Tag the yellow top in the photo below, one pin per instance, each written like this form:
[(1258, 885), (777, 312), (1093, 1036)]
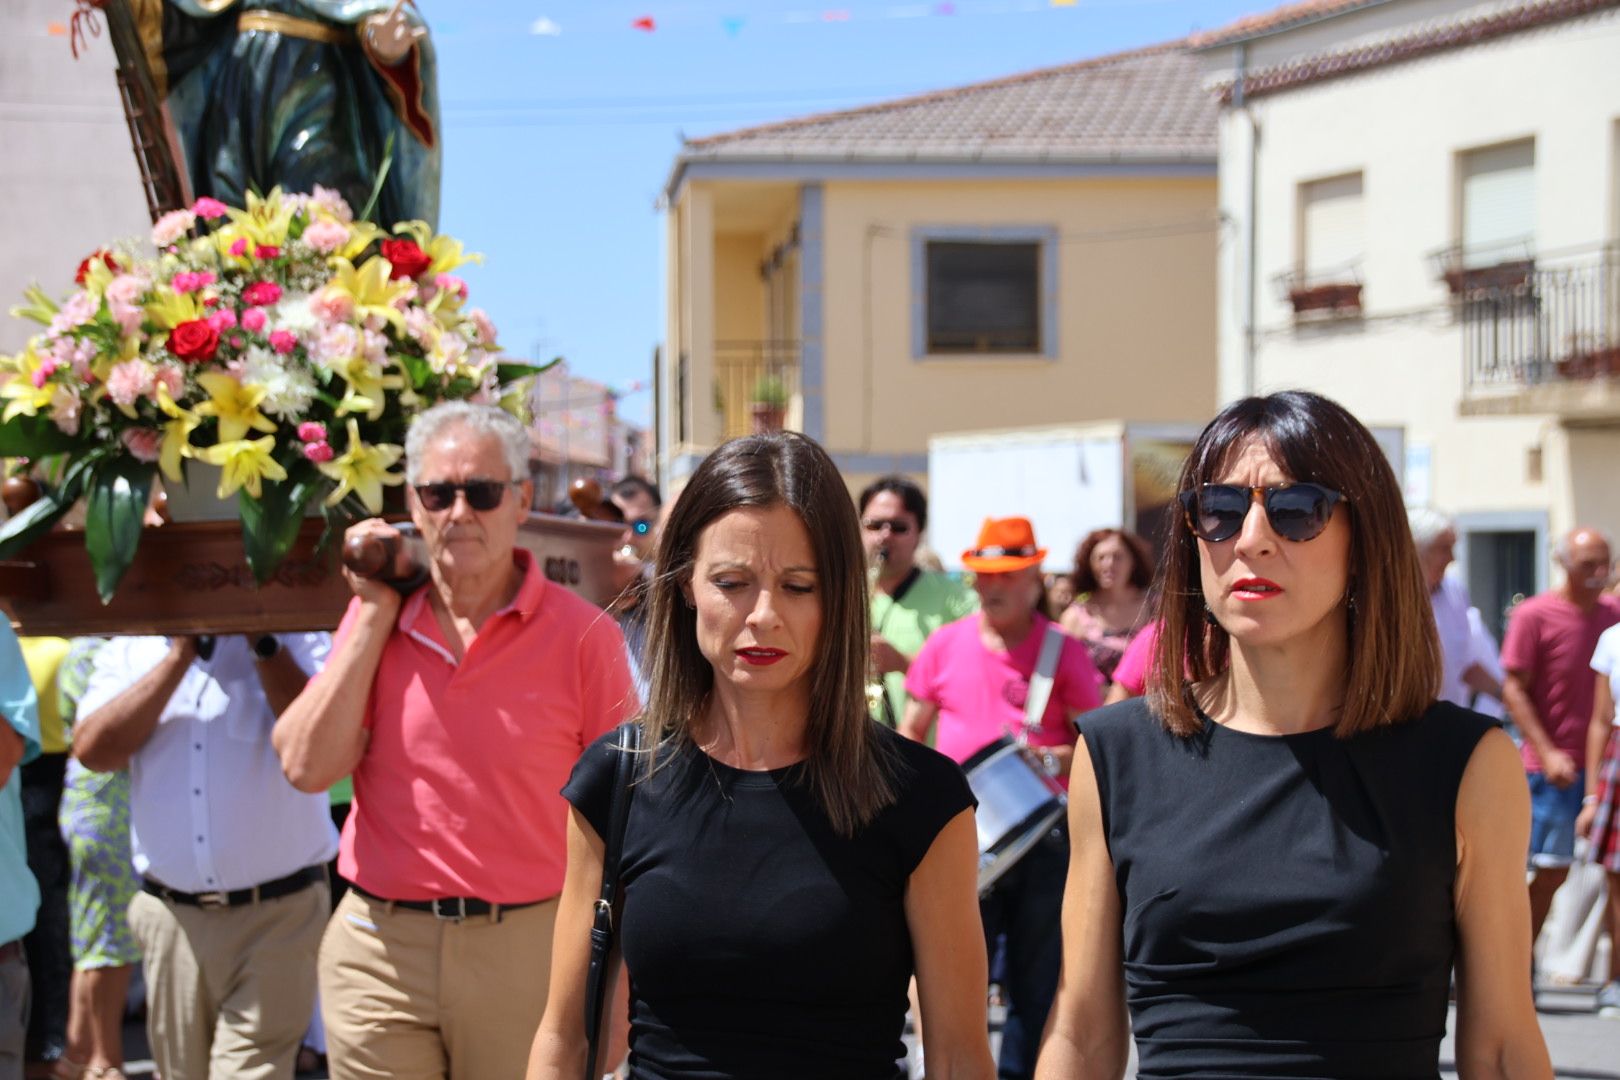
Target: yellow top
[(43, 656)]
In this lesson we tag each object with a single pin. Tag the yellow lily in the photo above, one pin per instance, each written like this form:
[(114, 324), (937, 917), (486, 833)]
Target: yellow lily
[(176, 434), (367, 384), (263, 221), (97, 276), (445, 251), (234, 405), (369, 288), (362, 234), (245, 463), (168, 309), (22, 397), (363, 469), (41, 308)]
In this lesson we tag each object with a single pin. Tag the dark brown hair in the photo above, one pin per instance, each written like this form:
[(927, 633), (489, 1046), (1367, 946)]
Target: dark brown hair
[(1393, 669), (846, 769), (1141, 559)]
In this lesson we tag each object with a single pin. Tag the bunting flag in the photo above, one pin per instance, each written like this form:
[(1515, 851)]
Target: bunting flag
[(646, 22), (732, 23)]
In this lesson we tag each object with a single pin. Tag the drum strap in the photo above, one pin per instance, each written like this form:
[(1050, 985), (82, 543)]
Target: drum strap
[(1040, 683)]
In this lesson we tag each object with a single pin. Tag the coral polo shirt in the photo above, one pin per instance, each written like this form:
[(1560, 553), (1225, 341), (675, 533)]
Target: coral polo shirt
[(459, 791)]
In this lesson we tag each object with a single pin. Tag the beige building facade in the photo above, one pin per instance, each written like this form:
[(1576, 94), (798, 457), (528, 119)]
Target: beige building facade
[(1037, 250), (1424, 201)]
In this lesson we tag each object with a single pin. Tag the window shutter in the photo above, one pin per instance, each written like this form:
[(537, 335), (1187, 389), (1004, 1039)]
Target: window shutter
[(1334, 227), (1499, 203)]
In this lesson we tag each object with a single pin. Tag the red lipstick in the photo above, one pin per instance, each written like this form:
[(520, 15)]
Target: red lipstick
[(1255, 588), (760, 657)]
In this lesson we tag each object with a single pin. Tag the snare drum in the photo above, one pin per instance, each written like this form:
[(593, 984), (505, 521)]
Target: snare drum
[(1018, 803)]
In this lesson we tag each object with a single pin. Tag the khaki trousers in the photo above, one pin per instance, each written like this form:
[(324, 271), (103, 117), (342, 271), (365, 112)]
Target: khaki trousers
[(407, 996), (229, 990)]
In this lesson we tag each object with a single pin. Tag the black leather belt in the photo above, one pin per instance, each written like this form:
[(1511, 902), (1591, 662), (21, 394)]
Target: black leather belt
[(450, 908), (293, 882)]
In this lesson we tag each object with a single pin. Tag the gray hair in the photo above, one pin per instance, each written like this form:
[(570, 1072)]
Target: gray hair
[(1561, 550), (488, 420), (1427, 524)]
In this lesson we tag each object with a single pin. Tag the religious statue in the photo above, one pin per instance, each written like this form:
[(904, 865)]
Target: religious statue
[(298, 93)]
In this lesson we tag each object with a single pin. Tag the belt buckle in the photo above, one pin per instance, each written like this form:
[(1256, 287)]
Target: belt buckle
[(458, 913), (213, 900)]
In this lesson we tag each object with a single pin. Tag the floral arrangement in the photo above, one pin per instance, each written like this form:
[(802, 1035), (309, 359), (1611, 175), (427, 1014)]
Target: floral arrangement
[(284, 342)]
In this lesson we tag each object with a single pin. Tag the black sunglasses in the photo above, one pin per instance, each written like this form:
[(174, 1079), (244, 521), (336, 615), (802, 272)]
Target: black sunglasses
[(1297, 512), (481, 494), (896, 528)]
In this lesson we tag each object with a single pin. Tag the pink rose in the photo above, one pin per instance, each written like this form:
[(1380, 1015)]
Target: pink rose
[(283, 341), (240, 247), (222, 320), (319, 452), (311, 431), (451, 284), (261, 294), (326, 235), (209, 209), (267, 251), (253, 320)]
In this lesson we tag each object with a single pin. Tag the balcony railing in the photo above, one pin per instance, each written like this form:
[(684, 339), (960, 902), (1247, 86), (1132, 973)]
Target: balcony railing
[(755, 383), (1554, 322)]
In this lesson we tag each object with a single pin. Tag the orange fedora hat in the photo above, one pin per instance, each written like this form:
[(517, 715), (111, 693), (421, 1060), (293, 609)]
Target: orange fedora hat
[(1005, 545)]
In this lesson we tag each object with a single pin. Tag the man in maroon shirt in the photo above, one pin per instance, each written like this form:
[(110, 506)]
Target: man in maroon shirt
[(1548, 691)]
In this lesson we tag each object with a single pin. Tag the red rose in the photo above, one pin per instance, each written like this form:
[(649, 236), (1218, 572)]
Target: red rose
[(84, 268), (194, 341), (408, 258)]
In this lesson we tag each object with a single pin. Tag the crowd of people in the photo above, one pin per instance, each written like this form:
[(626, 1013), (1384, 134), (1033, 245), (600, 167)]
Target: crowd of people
[(1294, 834)]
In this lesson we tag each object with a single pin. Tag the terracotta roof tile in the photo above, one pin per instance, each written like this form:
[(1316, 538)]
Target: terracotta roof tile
[(1277, 20), (1146, 104)]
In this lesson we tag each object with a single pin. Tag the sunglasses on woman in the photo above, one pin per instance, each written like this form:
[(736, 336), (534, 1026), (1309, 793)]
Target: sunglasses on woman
[(1297, 512), (481, 494)]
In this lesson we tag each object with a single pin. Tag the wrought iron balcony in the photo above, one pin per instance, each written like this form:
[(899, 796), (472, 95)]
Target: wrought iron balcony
[(1546, 339), (755, 383)]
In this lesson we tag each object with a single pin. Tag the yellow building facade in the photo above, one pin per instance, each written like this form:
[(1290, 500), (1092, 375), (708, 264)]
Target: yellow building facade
[(1038, 250)]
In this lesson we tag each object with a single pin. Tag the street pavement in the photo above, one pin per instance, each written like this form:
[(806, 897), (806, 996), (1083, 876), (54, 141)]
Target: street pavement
[(1584, 1046)]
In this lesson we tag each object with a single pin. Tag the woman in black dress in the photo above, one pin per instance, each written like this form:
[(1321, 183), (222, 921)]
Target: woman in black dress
[(787, 863), (1288, 844)]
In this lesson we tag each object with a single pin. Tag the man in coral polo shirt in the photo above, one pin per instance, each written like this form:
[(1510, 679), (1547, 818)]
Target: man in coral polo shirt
[(1548, 691), (460, 710)]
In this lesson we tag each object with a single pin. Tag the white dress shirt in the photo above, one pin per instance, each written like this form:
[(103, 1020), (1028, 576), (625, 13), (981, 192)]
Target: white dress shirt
[(209, 807), (1458, 652)]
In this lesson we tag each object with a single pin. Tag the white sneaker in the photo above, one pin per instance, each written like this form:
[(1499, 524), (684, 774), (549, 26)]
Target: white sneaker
[(1608, 1001)]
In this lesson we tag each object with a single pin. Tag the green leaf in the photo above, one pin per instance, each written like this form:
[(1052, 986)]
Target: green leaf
[(115, 509), (417, 368), (511, 371), (35, 437), (377, 186), (271, 522), (36, 520)]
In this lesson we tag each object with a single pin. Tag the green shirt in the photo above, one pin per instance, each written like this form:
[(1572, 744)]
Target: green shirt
[(932, 601)]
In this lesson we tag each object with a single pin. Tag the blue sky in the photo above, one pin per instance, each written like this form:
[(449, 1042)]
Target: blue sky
[(557, 144)]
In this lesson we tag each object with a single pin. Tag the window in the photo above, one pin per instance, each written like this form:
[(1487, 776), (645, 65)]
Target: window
[(1498, 203), (984, 291), (1332, 240)]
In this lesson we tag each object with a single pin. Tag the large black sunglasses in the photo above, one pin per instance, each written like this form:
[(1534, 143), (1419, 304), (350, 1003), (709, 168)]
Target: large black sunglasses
[(1297, 512), (481, 494)]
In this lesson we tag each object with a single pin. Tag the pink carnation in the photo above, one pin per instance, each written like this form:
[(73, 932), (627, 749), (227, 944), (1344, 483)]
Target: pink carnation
[(326, 235), (337, 343), (76, 312), (130, 381), (311, 431), (319, 452), (142, 443), (171, 378), (451, 284), (187, 281), (253, 320), (222, 320), (267, 251), (484, 325), (240, 247), (172, 226), (261, 294), (209, 209), (331, 306), (42, 374), (122, 294), (332, 202), (236, 341), (283, 341)]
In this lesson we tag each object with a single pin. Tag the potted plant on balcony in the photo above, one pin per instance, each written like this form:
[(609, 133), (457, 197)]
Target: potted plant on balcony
[(279, 350), (770, 404)]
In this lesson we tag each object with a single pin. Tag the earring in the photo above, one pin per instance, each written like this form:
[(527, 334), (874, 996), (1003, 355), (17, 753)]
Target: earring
[(1209, 616)]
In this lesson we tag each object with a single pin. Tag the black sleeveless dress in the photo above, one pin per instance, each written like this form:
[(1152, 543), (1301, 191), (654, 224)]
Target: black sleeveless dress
[(1287, 900)]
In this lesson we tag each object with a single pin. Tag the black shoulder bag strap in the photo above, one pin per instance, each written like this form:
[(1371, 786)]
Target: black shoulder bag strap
[(609, 902)]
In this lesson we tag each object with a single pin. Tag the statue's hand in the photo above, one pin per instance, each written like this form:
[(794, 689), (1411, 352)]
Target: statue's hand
[(391, 36)]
